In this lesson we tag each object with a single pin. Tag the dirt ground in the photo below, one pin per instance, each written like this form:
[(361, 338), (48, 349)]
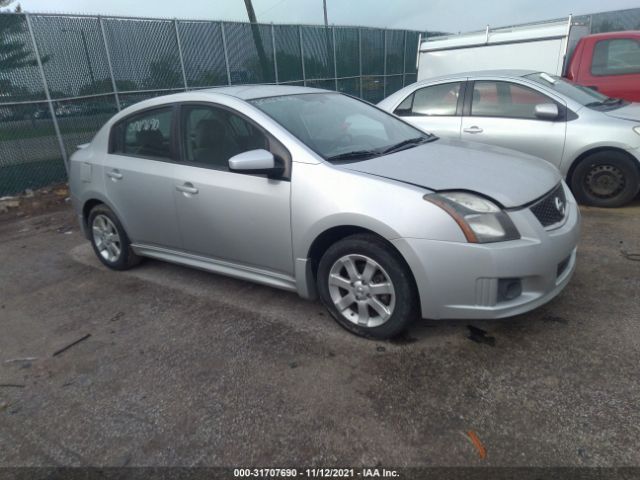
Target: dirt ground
[(185, 368)]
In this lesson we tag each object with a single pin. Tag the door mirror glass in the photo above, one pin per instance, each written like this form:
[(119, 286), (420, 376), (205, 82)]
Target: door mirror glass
[(254, 161), (547, 111)]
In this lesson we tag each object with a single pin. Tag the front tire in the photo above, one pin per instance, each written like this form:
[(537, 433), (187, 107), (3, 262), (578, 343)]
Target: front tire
[(109, 240), (367, 287), (606, 179)]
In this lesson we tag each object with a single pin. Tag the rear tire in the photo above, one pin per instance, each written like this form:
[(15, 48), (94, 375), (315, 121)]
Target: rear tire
[(606, 179), (109, 240), (367, 287)]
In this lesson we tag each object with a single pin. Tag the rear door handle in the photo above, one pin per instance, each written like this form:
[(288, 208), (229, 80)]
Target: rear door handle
[(187, 188), (474, 129), (114, 175)]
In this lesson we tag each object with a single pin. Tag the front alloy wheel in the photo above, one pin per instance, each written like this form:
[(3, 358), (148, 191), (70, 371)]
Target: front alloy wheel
[(367, 286), (361, 290)]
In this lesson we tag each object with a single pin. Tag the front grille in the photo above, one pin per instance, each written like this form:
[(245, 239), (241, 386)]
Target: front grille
[(552, 208)]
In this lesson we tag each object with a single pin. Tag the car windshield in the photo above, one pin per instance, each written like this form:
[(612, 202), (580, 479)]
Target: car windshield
[(583, 95), (340, 128)]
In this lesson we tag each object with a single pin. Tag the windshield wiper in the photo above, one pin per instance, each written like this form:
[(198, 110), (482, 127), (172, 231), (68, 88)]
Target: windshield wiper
[(355, 155), (411, 142), (608, 101)]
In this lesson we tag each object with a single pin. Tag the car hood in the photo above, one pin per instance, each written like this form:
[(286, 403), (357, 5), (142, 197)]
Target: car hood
[(510, 178), (628, 112)]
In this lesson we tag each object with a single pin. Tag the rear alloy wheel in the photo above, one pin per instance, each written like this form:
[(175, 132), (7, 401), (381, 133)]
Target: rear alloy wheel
[(606, 179), (367, 287), (109, 240), (106, 238)]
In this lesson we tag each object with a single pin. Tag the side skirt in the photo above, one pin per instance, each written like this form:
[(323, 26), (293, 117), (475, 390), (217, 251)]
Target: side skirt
[(229, 269)]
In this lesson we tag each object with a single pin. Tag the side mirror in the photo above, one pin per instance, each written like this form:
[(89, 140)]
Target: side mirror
[(547, 111), (256, 162)]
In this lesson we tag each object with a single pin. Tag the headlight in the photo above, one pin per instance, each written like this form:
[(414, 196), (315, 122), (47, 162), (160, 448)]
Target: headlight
[(481, 220), (637, 129)]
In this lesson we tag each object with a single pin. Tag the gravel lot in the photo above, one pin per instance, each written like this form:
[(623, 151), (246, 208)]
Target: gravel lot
[(188, 368)]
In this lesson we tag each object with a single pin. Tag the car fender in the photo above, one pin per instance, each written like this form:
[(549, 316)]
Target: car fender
[(570, 162)]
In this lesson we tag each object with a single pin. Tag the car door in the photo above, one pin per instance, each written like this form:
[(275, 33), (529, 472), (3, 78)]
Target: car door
[(615, 67), (139, 180), (502, 113), (235, 217), (435, 109)]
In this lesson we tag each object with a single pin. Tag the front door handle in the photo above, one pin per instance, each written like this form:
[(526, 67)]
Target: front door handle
[(187, 188), (114, 175), (474, 129)]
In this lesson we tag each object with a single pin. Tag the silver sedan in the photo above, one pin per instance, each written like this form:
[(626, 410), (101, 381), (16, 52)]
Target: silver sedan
[(594, 140), (325, 195)]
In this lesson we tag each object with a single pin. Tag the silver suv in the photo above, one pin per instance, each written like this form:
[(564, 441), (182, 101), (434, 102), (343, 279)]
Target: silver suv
[(323, 194)]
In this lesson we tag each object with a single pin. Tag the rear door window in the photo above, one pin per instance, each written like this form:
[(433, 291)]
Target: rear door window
[(147, 134), (436, 100)]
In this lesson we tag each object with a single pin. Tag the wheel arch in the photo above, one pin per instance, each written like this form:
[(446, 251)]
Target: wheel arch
[(330, 236), (92, 201), (593, 150)]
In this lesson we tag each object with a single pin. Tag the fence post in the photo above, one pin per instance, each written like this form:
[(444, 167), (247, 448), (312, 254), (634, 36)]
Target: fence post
[(384, 67), (184, 73), (226, 57), (360, 58), (304, 75), (52, 111), (275, 56), (113, 78), (335, 61), (404, 60)]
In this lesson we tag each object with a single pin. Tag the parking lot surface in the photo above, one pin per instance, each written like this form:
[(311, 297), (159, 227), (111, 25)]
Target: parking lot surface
[(181, 367)]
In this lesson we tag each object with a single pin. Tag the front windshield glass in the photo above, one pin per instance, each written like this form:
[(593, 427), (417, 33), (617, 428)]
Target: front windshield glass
[(583, 95), (340, 128)]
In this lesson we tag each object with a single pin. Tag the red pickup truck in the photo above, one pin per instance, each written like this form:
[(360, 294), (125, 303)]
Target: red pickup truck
[(609, 63)]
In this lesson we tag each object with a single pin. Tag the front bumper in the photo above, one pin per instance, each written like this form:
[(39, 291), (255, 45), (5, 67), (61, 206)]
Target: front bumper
[(460, 280)]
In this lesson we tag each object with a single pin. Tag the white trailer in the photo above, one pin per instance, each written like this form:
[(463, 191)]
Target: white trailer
[(542, 47)]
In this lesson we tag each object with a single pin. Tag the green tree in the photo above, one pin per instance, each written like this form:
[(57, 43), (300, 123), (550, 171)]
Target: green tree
[(211, 78), (14, 53), (105, 85), (165, 73), (607, 26)]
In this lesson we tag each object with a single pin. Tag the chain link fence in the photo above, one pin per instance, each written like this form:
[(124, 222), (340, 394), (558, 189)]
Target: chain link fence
[(63, 76)]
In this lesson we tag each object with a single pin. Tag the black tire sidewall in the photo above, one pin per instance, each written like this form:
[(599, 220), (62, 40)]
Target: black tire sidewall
[(406, 302), (616, 159), (127, 257)]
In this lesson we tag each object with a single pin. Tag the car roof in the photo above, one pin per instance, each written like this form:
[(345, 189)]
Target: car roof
[(482, 73), (607, 35), (250, 92), (241, 92)]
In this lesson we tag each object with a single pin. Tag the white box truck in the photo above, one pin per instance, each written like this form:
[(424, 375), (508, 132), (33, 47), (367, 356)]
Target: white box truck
[(541, 46)]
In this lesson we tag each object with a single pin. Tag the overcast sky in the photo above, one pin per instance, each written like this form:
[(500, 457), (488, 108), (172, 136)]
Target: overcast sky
[(446, 15)]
